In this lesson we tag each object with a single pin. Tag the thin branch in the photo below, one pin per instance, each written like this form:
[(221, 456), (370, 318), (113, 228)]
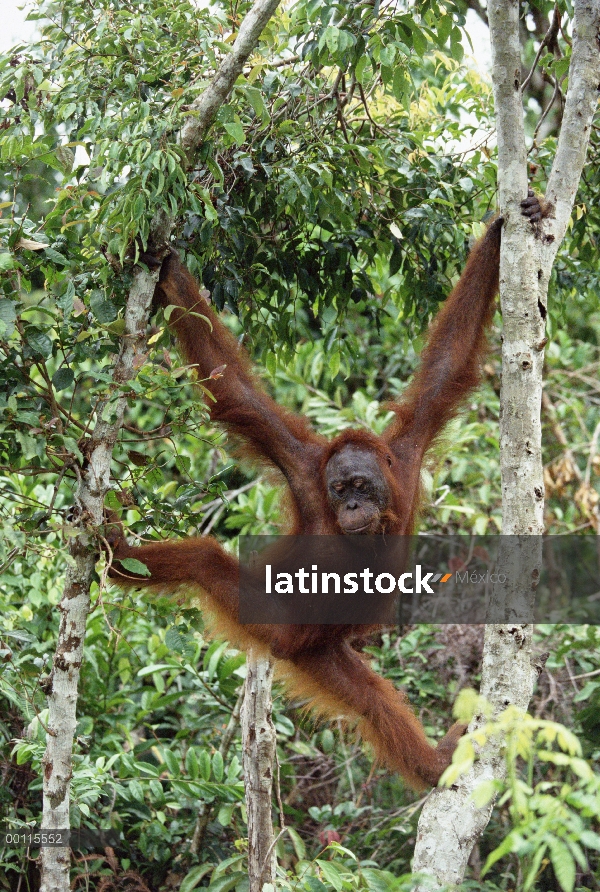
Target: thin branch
[(203, 110), (557, 92), (580, 106), (548, 41)]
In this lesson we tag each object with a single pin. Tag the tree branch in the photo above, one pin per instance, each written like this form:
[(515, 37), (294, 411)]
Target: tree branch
[(259, 747), (451, 823), (204, 109), (580, 106), (548, 41)]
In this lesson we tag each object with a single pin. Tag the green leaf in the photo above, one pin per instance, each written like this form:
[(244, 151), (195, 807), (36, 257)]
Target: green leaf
[(51, 160), (209, 209), (57, 258), (505, 847), (312, 884), (172, 762), (225, 814), (332, 36), (191, 763), (346, 39), (204, 765), (484, 792), (399, 84), (174, 640), (68, 110), (590, 839), (194, 876), (154, 667), (225, 884), (65, 301), (236, 131), (117, 327), (334, 363), (258, 104), (217, 766), (24, 754), (139, 206), (331, 874), (444, 27), (135, 566), (136, 790), (297, 842), (563, 863), (532, 874), (387, 56), (28, 444), (39, 342), (396, 258), (65, 157), (233, 770), (327, 740), (227, 667), (361, 69), (156, 790), (271, 363), (419, 41), (103, 309), (456, 46), (62, 378), (71, 445), (214, 655), (8, 316)]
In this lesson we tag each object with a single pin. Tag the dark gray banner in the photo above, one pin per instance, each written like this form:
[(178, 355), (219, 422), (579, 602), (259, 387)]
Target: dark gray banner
[(365, 580)]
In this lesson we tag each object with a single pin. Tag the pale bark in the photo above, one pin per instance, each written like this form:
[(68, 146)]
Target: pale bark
[(450, 823), (74, 606), (580, 107), (204, 109), (259, 742)]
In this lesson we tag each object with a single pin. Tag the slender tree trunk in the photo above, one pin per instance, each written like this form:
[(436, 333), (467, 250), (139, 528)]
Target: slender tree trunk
[(74, 606), (259, 741), (450, 823)]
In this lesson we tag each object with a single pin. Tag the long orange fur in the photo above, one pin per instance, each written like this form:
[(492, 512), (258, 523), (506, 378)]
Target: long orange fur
[(318, 662)]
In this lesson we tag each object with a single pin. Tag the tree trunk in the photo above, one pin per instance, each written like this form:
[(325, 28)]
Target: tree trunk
[(450, 823), (75, 604), (259, 741)]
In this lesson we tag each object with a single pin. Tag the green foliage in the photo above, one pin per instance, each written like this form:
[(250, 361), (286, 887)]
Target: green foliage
[(151, 703), (554, 822), (321, 182)]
